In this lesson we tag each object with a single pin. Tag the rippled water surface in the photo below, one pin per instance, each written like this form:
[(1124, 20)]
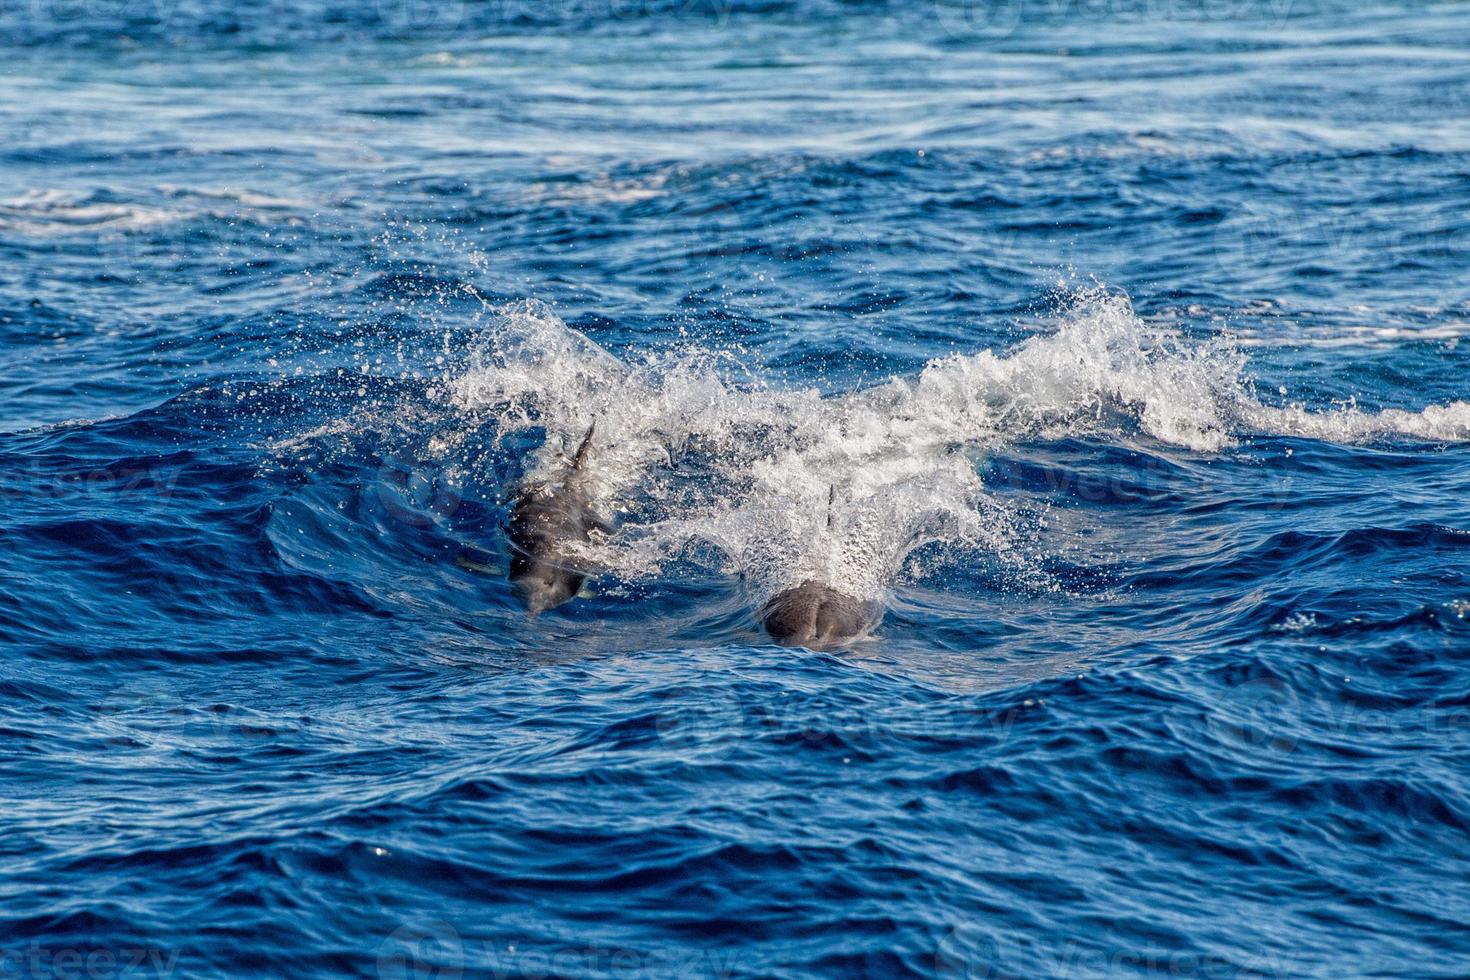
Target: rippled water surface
[(1114, 348)]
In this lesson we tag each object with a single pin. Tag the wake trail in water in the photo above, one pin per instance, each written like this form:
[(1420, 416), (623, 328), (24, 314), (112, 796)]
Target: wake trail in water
[(788, 484)]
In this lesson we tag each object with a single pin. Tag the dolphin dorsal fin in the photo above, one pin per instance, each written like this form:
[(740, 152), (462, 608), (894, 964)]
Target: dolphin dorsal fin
[(581, 453)]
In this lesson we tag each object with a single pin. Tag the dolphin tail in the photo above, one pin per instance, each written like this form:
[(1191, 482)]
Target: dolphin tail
[(831, 496)]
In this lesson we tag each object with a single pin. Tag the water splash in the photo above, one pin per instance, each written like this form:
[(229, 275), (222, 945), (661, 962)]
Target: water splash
[(695, 450)]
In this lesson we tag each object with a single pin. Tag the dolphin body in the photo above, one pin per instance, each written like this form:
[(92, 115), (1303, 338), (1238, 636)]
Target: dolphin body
[(818, 617), (547, 517)]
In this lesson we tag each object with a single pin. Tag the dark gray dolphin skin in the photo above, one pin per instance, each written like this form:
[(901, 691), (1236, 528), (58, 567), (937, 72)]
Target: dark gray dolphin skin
[(818, 617), (546, 518)]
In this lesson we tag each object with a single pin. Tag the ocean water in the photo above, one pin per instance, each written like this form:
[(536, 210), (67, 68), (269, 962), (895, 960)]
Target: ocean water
[(1115, 347)]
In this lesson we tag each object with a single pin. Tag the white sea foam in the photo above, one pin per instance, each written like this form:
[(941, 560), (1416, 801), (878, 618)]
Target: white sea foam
[(54, 213), (788, 484), (51, 213)]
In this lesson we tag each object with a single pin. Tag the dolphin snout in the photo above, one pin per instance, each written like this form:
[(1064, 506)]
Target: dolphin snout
[(541, 590)]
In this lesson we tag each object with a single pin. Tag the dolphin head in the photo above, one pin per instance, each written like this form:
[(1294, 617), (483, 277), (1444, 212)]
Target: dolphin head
[(818, 617), (541, 586)]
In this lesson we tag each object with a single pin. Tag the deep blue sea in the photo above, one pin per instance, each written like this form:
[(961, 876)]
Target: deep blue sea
[(1117, 348)]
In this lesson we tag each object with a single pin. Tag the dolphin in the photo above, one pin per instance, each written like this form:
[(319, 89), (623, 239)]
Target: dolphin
[(547, 517), (818, 617)]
